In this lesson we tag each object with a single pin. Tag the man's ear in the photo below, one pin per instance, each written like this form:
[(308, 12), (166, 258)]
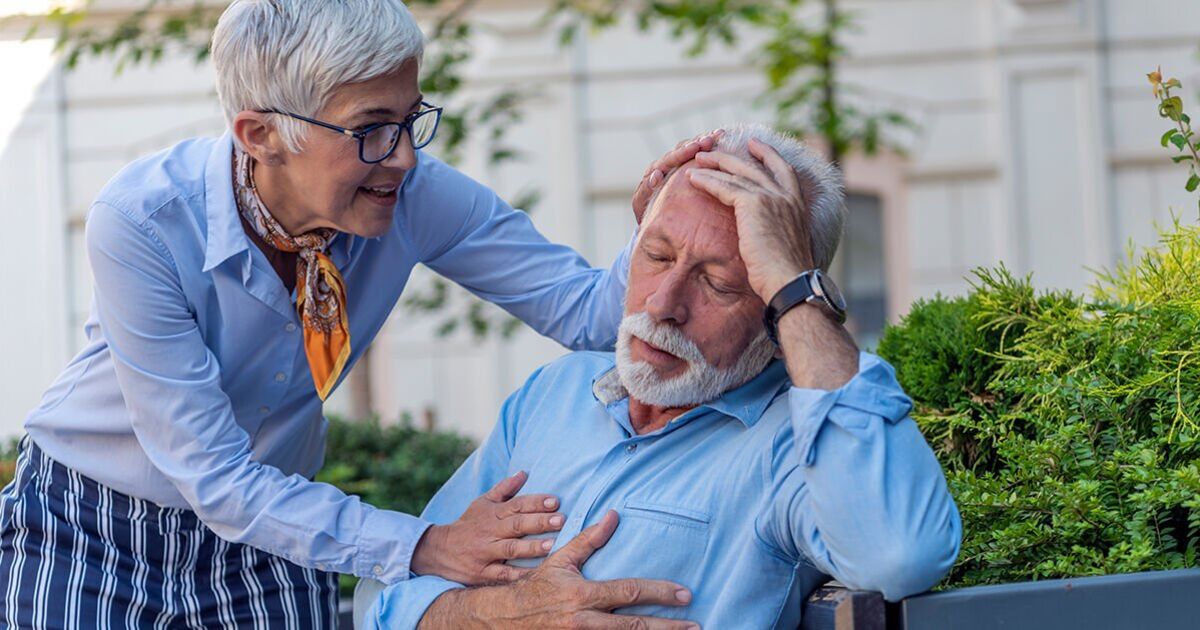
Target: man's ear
[(256, 134)]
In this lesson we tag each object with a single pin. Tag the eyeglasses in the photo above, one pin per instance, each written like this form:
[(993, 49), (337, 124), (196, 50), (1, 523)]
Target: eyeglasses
[(377, 142)]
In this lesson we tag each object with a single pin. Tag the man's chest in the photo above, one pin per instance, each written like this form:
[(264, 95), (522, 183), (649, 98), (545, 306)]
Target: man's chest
[(678, 493)]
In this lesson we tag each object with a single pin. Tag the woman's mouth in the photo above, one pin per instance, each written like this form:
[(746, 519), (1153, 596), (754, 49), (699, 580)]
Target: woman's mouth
[(383, 195)]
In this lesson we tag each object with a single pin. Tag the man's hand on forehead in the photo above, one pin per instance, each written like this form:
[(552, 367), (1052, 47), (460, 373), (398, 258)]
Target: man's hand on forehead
[(772, 221)]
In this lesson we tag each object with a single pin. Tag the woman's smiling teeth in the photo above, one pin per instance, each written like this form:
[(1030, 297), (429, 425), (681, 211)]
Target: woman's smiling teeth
[(381, 191)]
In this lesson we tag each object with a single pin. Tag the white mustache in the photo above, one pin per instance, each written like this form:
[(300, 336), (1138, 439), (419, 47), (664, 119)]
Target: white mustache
[(664, 337)]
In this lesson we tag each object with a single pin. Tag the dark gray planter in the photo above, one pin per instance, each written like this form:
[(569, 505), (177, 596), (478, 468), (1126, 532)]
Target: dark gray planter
[(1156, 599)]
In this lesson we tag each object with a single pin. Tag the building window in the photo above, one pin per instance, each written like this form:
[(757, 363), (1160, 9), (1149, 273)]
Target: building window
[(858, 269)]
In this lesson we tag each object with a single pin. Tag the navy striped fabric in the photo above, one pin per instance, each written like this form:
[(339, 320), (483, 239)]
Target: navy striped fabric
[(76, 554)]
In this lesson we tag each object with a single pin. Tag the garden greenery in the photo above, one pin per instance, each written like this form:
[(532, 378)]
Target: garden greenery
[(1068, 425)]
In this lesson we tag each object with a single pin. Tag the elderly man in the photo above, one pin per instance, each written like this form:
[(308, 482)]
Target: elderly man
[(741, 481)]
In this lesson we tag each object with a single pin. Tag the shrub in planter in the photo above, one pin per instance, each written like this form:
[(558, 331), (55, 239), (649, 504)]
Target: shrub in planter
[(1069, 427)]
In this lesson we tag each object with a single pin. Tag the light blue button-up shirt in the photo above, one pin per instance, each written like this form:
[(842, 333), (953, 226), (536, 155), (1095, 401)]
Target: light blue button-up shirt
[(750, 501), (193, 389)]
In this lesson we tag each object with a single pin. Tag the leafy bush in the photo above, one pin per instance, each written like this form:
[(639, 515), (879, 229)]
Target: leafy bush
[(1068, 427)]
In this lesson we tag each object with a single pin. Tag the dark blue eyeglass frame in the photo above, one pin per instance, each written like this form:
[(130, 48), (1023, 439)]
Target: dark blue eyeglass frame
[(361, 134)]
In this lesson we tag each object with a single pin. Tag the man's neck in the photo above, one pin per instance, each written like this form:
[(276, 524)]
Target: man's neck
[(648, 418)]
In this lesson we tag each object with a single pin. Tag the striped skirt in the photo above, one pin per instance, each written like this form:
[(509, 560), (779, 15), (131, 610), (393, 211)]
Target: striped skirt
[(76, 554)]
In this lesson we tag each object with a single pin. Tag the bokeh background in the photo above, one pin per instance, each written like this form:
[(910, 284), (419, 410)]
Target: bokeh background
[(1015, 131)]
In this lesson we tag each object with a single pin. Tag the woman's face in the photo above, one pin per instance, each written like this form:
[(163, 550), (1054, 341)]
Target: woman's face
[(326, 184)]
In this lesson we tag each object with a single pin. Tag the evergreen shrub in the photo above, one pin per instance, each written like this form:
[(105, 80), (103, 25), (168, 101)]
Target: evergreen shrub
[(1067, 425)]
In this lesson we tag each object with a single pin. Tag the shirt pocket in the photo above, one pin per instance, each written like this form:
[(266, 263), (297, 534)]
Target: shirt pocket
[(675, 537), (668, 514)]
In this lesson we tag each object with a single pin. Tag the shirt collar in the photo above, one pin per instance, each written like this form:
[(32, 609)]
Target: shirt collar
[(746, 403), (225, 234)]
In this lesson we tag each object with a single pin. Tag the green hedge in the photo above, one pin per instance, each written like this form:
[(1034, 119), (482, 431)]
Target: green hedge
[(1067, 426)]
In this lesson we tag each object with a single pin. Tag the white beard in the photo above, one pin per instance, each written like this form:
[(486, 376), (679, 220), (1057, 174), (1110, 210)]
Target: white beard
[(701, 382)]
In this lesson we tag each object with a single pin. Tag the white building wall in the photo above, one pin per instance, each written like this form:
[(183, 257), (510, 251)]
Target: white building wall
[(1037, 147)]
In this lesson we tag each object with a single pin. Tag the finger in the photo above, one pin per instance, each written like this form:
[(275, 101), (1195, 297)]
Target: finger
[(528, 504), (499, 573), (527, 524), (735, 165), (580, 548), (656, 173), (783, 172), (511, 548), (727, 189), (592, 620), (634, 592), (508, 487)]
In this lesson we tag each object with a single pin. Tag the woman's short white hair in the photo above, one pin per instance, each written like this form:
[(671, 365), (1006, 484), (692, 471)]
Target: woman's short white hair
[(291, 55), (820, 183)]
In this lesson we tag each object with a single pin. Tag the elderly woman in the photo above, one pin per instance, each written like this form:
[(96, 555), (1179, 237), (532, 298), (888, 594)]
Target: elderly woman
[(167, 475)]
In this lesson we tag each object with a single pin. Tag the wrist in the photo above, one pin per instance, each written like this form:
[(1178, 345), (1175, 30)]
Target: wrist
[(428, 551), (777, 281)]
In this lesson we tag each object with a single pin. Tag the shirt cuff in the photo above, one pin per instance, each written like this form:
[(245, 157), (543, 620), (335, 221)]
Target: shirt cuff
[(386, 544), (402, 606), (874, 391)]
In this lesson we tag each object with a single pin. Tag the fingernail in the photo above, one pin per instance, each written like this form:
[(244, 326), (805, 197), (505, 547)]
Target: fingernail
[(683, 596), (547, 545), (693, 627), (556, 521), (550, 503)]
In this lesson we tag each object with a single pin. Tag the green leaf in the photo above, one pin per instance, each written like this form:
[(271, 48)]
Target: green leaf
[(1166, 138), (1193, 183), (1181, 158), (1179, 141), (1171, 108)]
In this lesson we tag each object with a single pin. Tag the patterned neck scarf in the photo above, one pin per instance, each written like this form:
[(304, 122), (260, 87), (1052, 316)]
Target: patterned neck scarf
[(320, 292)]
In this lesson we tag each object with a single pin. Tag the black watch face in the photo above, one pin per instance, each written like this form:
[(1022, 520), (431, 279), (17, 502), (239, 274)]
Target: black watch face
[(832, 292)]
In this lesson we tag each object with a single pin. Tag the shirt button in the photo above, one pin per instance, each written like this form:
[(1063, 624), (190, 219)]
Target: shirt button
[(378, 570), (280, 377), (264, 409), (631, 449), (290, 327)]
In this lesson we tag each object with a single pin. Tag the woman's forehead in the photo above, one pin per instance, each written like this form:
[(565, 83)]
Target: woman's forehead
[(394, 94)]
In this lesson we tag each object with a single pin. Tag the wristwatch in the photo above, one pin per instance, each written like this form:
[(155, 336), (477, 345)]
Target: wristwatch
[(811, 286)]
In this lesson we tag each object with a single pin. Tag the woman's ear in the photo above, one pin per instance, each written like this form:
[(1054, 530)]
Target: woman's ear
[(258, 136)]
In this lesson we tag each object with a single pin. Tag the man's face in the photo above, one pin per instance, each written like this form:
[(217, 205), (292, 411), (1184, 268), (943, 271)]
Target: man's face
[(686, 279)]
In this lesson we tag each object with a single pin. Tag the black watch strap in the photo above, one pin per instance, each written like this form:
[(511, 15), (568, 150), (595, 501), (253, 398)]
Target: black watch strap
[(792, 294)]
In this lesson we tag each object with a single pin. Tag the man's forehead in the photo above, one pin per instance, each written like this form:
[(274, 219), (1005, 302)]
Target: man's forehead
[(691, 218)]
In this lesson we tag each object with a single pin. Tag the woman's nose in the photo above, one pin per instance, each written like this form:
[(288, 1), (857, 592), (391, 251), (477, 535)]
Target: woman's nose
[(404, 157)]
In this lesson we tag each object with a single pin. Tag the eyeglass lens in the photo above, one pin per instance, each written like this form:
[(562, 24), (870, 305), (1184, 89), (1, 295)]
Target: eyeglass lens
[(379, 143)]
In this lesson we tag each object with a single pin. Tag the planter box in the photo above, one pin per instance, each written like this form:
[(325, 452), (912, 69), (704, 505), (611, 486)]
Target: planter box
[(1156, 599)]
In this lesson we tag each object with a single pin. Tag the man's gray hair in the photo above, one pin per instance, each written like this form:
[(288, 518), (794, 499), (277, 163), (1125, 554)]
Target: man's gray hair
[(291, 55), (820, 183)]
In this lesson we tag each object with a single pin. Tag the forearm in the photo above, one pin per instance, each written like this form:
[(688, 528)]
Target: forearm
[(458, 610), (874, 511), (819, 352)]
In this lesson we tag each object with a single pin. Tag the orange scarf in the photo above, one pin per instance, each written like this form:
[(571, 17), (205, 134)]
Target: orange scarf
[(320, 292)]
